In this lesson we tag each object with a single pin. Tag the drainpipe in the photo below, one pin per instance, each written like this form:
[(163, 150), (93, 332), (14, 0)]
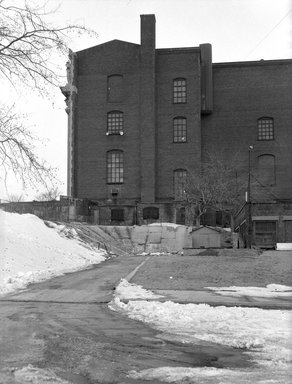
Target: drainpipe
[(249, 221)]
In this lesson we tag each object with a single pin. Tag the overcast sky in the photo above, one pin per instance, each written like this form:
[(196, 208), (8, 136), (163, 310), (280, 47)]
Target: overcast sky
[(238, 30)]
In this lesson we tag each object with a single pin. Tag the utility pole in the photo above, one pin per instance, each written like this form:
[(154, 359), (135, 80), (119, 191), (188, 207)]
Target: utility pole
[(249, 220)]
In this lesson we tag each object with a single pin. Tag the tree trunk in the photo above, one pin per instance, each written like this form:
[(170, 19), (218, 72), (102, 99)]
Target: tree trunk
[(198, 221)]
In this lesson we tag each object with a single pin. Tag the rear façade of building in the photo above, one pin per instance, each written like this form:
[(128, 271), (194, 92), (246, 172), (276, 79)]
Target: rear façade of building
[(141, 119)]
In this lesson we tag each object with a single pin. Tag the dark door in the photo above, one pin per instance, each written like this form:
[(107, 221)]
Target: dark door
[(288, 231), (265, 233)]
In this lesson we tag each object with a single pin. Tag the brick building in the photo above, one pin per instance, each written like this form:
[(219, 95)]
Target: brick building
[(140, 119)]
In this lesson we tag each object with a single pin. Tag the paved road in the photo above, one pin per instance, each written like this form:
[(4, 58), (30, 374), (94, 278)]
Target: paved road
[(65, 327)]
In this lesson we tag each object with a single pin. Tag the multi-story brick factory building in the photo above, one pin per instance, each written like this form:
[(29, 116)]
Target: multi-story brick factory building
[(140, 119)]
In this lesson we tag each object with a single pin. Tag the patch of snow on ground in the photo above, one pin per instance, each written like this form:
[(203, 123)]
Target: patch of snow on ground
[(208, 375), (264, 334), (271, 290), (32, 252), (127, 291), (33, 375), (173, 225)]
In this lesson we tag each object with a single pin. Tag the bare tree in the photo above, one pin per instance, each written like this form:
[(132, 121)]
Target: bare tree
[(17, 151), (49, 195), (27, 45), (15, 198), (217, 186), (221, 186)]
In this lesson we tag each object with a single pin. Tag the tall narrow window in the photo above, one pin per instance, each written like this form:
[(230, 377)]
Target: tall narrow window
[(115, 123), (179, 130), (179, 91), (115, 88), (266, 169), (179, 183), (266, 128), (115, 167)]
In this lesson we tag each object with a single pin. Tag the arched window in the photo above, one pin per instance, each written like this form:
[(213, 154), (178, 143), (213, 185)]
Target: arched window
[(115, 123), (115, 91), (266, 128), (179, 183), (115, 167), (179, 130), (179, 90), (266, 169)]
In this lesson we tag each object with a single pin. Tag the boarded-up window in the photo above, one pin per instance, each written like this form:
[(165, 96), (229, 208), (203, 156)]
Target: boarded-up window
[(151, 213), (288, 231), (117, 215), (181, 215), (115, 89), (266, 169)]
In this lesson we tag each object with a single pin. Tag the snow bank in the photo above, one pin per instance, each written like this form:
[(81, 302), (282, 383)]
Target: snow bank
[(31, 251), (173, 225), (263, 334), (245, 328), (207, 375), (271, 290), (127, 291), (32, 375)]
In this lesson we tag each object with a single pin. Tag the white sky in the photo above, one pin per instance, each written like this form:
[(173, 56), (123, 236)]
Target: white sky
[(238, 30)]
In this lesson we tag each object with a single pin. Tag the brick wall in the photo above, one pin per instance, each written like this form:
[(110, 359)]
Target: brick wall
[(92, 143), (172, 64), (244, 92)]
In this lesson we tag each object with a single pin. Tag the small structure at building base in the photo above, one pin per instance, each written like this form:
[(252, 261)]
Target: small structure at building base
[(209, 237)]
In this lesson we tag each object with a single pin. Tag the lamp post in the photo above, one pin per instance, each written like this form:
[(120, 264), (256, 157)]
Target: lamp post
[(249, 221)]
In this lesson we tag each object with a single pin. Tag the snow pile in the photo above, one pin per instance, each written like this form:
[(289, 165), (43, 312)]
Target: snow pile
[(127, 291), (271, 290), (173, 225), (154, 254), (263, 334), (32, 252), (245, 328), (32, 375), (208, 375), (63, 231)]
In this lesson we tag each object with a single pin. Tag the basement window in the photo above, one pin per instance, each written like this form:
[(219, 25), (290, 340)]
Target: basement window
[(151, 213), (117, 215)]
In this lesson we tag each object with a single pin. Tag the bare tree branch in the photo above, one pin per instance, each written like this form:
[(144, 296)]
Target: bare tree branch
[(50, 194), (27, 43), (221, 186), (17, 151)]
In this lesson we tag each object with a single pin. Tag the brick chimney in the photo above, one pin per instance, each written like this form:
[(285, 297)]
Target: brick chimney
[(148, 32), (147, 109)]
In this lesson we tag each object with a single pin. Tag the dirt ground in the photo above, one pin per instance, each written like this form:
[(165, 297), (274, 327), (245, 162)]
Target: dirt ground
[(227, 268)]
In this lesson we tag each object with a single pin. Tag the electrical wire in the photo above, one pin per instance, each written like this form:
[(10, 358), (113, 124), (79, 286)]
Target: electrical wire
[(268, 34)]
